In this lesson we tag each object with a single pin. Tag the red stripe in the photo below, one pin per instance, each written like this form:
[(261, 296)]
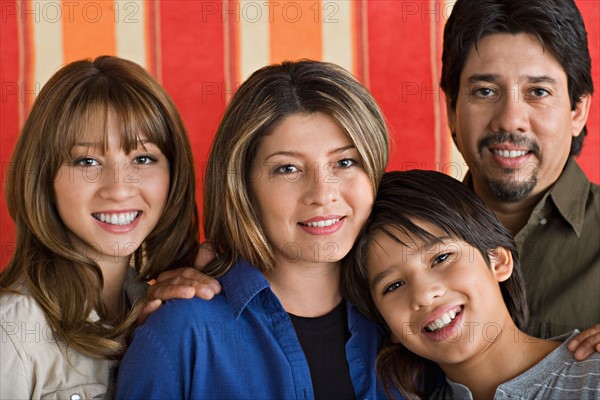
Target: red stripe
[(193, 70), (589, 160), (400, 76), (9, 114)]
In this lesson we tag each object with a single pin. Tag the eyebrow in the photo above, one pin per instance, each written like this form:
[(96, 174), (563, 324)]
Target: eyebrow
[(380, 277), (492, 78), (388, 271), (298, 154)]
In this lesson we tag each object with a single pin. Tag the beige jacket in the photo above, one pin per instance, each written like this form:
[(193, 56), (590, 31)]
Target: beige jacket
[(35, 366)]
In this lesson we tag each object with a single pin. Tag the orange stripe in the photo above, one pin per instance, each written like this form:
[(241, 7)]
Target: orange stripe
[(152, 39), (358, 48), (295, 30), (90, 30)]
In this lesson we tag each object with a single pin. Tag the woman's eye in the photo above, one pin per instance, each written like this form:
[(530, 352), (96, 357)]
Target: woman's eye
[(86, 162), (286, 169), (441, 258), (144, 159), (393, 286), (347, 163)]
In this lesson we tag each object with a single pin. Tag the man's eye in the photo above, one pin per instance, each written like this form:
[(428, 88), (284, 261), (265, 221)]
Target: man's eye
[(484, 92), (539, 92), (393, 286)]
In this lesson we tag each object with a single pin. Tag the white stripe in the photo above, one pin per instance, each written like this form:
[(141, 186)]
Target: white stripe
[(579, 389), (575, 376), (255, 51), (47, 42), (130, 35), (336, 20)]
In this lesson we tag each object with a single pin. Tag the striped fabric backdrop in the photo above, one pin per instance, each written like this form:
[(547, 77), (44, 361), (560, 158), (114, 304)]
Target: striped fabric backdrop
[(202, 50)]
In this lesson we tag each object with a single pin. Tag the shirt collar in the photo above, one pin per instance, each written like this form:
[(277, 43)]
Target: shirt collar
[(570, 193), (241, 283)]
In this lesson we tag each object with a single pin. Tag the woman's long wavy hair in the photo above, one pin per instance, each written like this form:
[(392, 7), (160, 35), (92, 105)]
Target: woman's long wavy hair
[(267, 97), (65, 283), (448, 204)]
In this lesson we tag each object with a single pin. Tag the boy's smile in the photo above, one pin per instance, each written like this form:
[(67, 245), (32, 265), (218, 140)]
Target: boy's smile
[(440, 300)]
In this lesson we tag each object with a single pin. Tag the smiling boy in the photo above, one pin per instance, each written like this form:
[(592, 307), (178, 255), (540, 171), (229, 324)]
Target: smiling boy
[(441, 275)]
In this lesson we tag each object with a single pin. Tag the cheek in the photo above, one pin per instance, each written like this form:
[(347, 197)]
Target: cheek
[(359, 197)]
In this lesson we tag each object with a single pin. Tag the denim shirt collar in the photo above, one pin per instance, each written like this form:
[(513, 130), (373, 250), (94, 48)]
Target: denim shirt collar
[(241, 283)]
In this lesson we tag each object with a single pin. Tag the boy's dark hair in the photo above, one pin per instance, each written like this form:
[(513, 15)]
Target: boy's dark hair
[(557, 24), (445, 202)]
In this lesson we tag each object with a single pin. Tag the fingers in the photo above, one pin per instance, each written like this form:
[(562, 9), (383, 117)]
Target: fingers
[(184, 283), (149, 308), (586, 343), (206, 253)]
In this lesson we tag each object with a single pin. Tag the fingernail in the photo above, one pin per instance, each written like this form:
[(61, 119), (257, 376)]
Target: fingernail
[(206, 293)]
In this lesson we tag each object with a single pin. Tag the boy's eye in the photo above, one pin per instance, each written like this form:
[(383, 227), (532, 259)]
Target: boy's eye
[(393, 286), (441, 258)]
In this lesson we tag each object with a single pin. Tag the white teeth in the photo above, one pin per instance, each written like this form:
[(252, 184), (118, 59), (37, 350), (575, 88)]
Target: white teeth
[(117, 218), (444, 320), (510, 153), (327, 222)]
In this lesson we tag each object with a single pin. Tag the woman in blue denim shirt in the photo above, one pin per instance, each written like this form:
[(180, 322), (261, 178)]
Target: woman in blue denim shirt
[(291, 178)]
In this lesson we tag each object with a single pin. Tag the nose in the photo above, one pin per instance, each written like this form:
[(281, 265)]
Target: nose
[(321, 185), (425, 291), (118, 181), (511, 113)]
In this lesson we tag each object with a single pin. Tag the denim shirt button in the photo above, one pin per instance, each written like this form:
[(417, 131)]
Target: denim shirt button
[(75, 396)]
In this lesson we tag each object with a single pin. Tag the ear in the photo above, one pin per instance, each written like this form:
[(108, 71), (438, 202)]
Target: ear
[(580, 114), (501, 263), (451, 114)]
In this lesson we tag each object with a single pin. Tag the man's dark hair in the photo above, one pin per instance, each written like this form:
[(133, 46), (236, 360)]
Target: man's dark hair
[(557, 24)]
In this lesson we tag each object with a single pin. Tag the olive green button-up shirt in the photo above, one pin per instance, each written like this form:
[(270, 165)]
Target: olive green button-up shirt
[(559, 249)]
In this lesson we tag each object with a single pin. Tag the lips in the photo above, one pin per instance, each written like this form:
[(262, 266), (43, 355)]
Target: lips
[(323, 225), (117, 218), (326, 222), (509, 146), (443, 326), (443, 320), (509, 153)]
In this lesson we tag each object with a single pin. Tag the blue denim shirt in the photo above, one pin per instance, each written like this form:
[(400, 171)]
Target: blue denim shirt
[(241, 345)]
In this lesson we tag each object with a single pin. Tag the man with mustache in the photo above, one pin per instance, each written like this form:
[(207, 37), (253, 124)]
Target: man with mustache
[(517, 80)]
